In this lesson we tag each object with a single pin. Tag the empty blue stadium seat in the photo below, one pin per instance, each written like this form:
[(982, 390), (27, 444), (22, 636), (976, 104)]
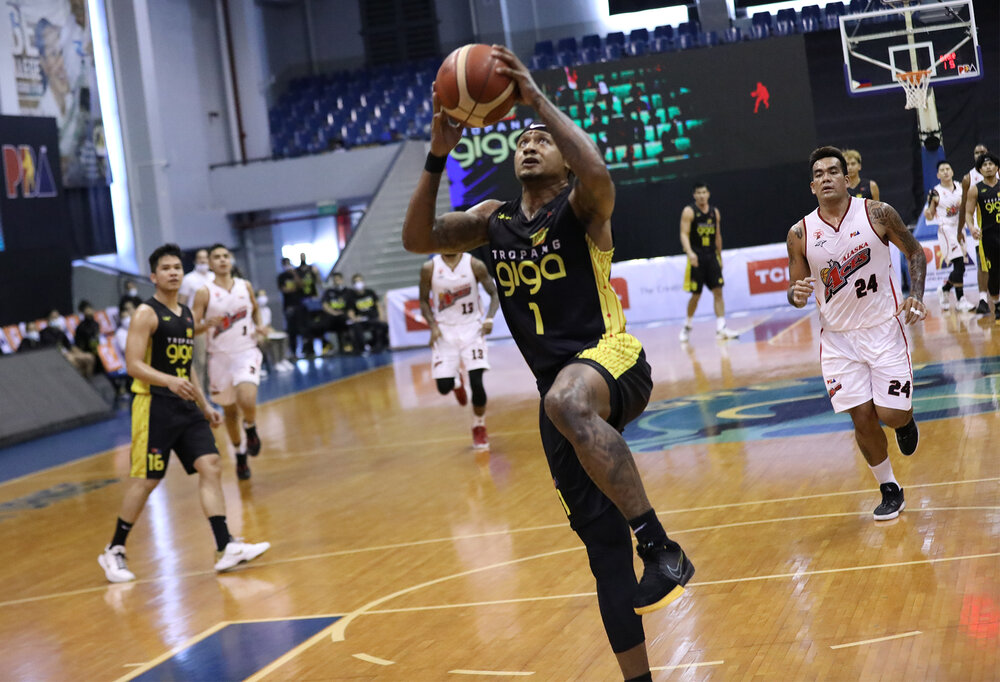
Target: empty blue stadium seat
[(638, 34), (708, 38), (662, 44), (566, 58), (540, 62), (666, 31), (591, 40), (762, 19), (612, 51), (783, 28), (636, 48), (758, 31), (789, 16), (692, 28), (615, 38), (545, 47), (732, 35), (590, 55), (811, 18), (566, 45), (685, 41)]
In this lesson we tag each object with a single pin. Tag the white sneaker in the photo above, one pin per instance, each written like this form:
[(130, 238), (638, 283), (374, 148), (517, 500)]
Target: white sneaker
[(685, 333), (965, 306), (943, 299), (727, 333), (237, 552), (113, 563)]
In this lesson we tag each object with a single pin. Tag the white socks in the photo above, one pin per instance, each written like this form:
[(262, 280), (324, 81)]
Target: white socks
[(883, 472), (720, 323), (478, 421)]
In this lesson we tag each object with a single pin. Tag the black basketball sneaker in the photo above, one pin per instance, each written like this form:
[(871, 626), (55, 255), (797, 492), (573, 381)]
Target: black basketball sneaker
[(907, 436), (892, 502), (666, 571)]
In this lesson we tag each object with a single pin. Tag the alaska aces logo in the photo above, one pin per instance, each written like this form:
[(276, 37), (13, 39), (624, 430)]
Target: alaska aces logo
[(835, 275)]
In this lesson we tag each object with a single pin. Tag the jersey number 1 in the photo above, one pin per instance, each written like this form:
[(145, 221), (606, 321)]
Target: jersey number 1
[(539, 327)]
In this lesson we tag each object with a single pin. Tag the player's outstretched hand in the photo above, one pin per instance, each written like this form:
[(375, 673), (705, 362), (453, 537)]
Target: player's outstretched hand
[(802, 290), (527, 90), (915, 310), (182, 388), (445, 133)]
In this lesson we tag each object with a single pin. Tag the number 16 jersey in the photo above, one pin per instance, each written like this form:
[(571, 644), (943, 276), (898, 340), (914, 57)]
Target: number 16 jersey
[(855, 287)]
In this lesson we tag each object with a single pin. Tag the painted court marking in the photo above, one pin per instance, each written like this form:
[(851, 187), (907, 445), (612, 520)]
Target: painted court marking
[(507, 673), (686, 665), (373, 659), (912, 633)]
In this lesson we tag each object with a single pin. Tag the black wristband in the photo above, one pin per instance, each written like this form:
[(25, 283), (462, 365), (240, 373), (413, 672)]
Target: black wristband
[(434, 164)]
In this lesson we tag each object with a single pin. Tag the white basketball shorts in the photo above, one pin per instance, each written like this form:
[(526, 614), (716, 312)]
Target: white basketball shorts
[(227, 370), (948, 242), (867, 364), (458, 345)]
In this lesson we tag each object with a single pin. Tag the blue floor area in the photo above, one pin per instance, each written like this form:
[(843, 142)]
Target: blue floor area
[(41, 453), (237, 651)]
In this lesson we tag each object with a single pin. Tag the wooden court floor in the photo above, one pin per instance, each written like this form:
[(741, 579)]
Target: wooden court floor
[(400, 554)]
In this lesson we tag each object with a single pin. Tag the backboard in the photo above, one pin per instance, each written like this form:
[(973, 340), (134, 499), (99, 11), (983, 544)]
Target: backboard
[(912, 35)]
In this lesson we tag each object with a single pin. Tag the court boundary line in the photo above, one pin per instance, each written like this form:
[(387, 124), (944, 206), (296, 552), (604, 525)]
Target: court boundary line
[(511, 531), (191, 641), (874, 640)]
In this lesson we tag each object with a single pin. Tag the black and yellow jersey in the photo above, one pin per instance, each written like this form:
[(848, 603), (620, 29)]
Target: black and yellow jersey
[(863, 190), (988, 199), (171, 346), (704, 227), (555, 290)]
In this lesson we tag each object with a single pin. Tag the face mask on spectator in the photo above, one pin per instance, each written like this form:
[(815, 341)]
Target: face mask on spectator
[(58, 323), (34, 336), (126, 320), (132, 291), (359, 286), (262, 300), (201, 268)]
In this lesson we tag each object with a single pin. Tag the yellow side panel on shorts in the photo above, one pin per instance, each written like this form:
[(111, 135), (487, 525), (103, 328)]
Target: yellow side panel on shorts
[(688, 284), (140, 434), (617, 350), (141, 387)]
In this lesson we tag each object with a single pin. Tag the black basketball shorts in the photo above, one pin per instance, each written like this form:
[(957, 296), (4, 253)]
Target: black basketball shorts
[(163, 423), (707, 274)]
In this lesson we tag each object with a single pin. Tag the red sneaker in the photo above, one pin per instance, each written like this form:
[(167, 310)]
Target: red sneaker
[(460, 395), (479, 441)]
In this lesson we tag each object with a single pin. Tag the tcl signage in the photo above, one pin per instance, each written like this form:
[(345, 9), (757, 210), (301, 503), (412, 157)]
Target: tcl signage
[(767, 276)]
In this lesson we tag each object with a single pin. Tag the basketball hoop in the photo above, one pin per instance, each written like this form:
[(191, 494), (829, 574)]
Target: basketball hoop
[(915, 84)]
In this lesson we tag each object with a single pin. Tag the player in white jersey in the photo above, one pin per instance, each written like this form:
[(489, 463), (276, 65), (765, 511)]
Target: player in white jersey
[(841, 251), (449, 301), (227, 308), (971, 179), (944, 206)]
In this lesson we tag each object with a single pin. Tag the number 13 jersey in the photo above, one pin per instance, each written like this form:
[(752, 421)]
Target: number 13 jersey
[(455, 293), (555, 290), (855, 287)]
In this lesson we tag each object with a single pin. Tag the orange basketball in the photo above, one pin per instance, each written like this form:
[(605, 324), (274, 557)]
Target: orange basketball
[(470, 89)]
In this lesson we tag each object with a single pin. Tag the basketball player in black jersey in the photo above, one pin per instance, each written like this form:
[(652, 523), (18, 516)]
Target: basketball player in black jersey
[(169, 412), (701, 238), (550, 254), (858, 186), (986, 196)]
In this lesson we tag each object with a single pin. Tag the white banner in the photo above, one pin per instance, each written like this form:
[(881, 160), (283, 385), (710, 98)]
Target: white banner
[(652, 290)]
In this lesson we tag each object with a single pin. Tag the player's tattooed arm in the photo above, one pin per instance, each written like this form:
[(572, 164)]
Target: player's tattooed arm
[(889, 225), (799, 282)]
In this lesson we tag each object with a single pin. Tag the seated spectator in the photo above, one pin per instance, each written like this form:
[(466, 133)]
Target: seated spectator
[(337, 303), (274, 343), (54, 336), (369, 318), (131, 295), (88, 332), (32, 338), (125, 314)]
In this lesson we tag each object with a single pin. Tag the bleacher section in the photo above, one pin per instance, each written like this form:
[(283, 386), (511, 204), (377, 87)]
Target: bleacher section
[(387, 104)]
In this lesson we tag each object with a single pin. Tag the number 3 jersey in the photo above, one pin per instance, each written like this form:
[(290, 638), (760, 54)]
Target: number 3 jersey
[(237, 331), (555, 291), (455, 293), (855, 287)]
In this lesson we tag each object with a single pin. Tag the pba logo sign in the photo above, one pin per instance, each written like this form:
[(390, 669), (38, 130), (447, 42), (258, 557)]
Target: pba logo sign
[(27, 172), (767, 276)]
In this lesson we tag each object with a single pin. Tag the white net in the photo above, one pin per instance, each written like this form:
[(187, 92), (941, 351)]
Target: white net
[(914, 84)]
